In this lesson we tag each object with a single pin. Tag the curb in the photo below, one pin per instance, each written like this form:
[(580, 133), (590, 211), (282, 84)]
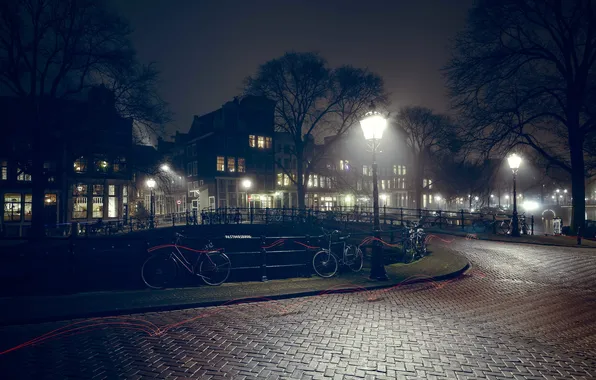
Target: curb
[(204, 304), (509, 241)]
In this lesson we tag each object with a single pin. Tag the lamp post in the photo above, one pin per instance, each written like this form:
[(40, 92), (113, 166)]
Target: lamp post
[(151, 185), (514, 162), (373, 125)]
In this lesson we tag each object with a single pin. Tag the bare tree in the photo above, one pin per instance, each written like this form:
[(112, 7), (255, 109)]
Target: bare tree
[(53, 50), (314, 101), (426, 135), (523, 73)]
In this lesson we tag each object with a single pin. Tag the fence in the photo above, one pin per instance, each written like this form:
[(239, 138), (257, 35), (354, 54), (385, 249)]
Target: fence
[(476, 221)]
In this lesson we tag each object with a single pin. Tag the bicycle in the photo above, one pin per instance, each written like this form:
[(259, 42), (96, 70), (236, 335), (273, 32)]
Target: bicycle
[(326, 262), (161, 269), (414, 243)]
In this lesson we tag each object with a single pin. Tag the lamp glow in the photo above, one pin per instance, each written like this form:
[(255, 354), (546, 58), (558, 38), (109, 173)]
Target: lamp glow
[(373, 125), (165, 168), (530, 205), (247, 183), (151, 183), (514, 161)]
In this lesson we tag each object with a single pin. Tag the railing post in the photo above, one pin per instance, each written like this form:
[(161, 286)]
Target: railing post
[(462, 219), (401, 216), (391, 234), (495, 224), (310, 258), (251, 211), (263, 260), (173, 220), (266, 215), (579, 235), (532, 225), (384, 214), (283, 214), (419, 213), (440, 219)]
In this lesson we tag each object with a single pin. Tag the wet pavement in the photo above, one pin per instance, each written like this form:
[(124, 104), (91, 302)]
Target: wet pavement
[(521, 311)]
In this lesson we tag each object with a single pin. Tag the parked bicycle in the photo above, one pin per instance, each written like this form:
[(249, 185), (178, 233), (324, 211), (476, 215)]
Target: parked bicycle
[(414, 243), (161, 269), (326, 262)]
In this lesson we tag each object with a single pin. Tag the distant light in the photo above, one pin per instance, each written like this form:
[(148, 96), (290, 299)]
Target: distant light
[(553, 197), (384, 197), (246, 183), (506, 196), (492, 196), (475, 198), (530, 205), (565, 191), (165, 168), (471, 210), (151, 183), (558, 190)]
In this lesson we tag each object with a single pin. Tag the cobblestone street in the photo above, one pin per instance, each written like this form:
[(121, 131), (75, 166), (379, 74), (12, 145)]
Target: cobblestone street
[(521, 311)]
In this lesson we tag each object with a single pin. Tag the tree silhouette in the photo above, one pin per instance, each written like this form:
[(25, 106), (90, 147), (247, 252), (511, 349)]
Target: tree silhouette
[(314, 101), (522, 72)]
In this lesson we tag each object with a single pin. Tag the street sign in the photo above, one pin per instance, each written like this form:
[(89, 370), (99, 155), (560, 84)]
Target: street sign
[(178, 202)]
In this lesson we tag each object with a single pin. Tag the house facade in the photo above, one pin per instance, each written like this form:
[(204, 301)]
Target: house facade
[(86, 150)]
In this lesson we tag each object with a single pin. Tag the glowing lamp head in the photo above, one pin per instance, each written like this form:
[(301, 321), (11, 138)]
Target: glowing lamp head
[(514, 161), (151, 183), (373, 125), (246, 183), (165, 168)]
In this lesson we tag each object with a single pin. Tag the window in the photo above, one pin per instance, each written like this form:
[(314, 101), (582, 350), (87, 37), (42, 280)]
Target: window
[(3, 170), (344, 165), (252, 141), (119, 164), (97, 201), (241, 165), (124, 195), (315, 180), (195, 168), (80, 165), (383, 184), (79, 206), (194, 150), (220, 164), (28, 201), (260, 142), (112, 202), (49, 166), (12, 207), (101, 165), (231, 164), (22, 176), (394, 169), (267, 142), (403, 170), (50, 200)]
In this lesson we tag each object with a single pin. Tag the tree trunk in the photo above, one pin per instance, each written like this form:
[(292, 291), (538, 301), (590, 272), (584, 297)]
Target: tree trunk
[(300, 181), (419, 184), (37, 179), (578, 186)]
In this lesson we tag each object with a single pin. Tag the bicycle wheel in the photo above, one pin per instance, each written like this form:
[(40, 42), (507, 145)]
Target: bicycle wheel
[(325, 263), (420, 247), (354, 258), (215, 268), (409, 250), (159, 271)]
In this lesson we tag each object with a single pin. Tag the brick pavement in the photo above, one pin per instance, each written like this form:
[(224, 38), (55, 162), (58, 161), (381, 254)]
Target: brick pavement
[(521, 312)]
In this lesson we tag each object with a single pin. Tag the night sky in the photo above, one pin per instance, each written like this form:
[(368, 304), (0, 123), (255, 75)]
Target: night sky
[(206, 48)]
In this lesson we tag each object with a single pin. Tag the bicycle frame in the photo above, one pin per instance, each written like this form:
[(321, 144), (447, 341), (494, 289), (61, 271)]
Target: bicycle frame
[(179, 257)]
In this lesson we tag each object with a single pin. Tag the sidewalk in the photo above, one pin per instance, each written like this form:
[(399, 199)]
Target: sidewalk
[(558, 241), (442, 263)]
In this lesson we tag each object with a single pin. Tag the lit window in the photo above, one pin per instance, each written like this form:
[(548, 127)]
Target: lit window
[(97, 201), (112, 202), (79, 206), (310, 181), (344, 165), (252, 141), (50, 200), (124, 195), (404, 171), (101, 165), (3, 170), (260, 142), (231, 164), (22, 176), (315, 180), (280, 178), (80, 165), (12, 207), (383, 184), (267, 142), (394, 169), (286, 180), (221, 164), (241, 165)]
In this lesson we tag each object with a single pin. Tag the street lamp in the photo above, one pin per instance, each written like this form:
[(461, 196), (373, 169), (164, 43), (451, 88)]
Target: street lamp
[(373, 125), (165, 168), (514, 162), (246, 184), (151, 185)]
